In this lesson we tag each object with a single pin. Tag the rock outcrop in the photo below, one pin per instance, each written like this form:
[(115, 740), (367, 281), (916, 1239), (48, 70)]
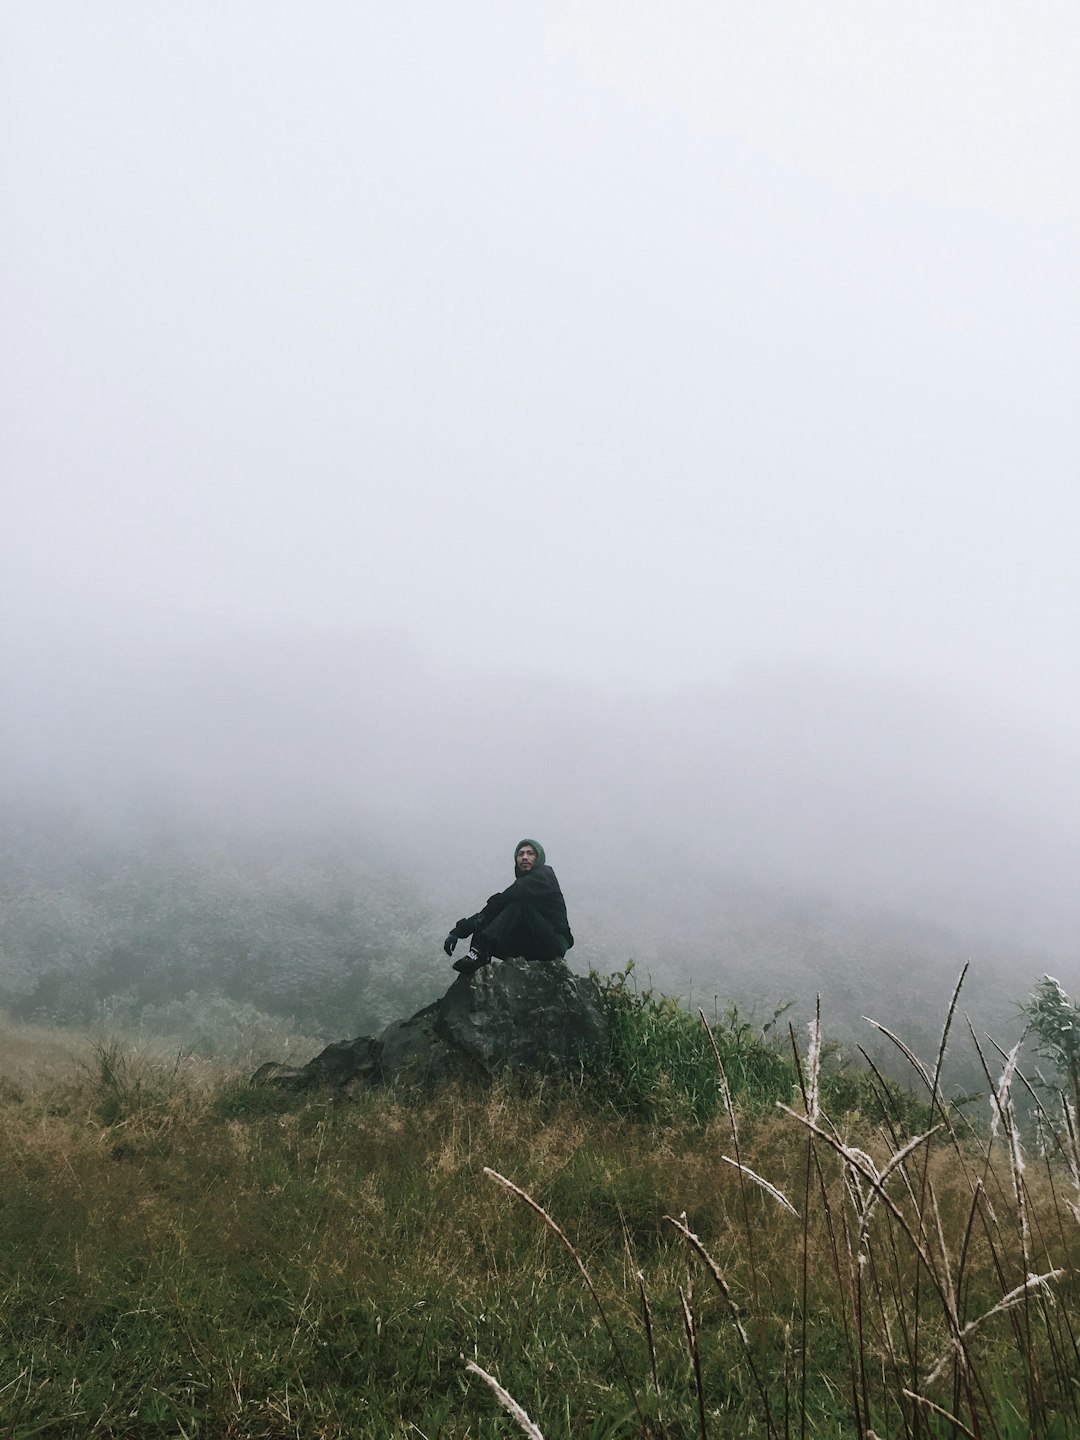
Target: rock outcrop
[(513, 1015)]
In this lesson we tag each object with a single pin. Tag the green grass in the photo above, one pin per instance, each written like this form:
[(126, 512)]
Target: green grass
[(181, 1255)]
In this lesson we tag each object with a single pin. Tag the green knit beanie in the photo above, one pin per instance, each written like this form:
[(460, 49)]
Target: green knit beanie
[(541, 858)]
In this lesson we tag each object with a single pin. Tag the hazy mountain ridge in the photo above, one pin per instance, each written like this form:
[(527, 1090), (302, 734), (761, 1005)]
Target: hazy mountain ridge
[(296, 824)]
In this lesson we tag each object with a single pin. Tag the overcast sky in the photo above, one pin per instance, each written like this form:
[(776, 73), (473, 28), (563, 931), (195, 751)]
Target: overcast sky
[(621, 340)]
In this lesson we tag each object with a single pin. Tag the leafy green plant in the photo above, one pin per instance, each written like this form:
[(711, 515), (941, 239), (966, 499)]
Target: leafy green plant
[(219, 1028), (1054, 1021), (660, 1064)]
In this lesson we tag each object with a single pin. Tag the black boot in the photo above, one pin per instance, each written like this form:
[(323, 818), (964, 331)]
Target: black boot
[(470, 963)]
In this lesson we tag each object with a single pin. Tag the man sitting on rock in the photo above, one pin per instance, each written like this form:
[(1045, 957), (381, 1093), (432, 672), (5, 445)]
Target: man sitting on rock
[(528, 919)]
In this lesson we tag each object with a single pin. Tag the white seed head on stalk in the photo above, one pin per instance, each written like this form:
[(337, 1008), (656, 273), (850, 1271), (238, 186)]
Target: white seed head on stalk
[(714, 1270), (766, 1185), (853, 1182), (813, 1068), (1073, 1133), (860, 1158), (529, 1428), (1014, 1297), (1072, 1150), (1002, 1102), (1044, 1135), (722, 1086)]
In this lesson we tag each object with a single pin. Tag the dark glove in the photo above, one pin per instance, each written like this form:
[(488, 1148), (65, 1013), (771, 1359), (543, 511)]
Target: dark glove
[(450, 941)]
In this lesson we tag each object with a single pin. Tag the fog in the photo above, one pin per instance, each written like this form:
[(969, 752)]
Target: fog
[(650, 430), (798, 783)]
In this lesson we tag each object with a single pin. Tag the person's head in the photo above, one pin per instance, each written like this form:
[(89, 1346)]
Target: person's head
[(528, 856)]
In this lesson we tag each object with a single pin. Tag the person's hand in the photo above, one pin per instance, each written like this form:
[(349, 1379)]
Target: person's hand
[(450, 941)]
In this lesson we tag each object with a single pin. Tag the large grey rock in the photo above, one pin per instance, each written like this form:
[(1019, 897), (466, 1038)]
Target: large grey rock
[(512, 1016), (523, 1017)]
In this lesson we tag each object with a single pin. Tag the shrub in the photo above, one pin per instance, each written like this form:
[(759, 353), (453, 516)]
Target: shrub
[(660, 1063), (218, 1028), (1054, 1020)]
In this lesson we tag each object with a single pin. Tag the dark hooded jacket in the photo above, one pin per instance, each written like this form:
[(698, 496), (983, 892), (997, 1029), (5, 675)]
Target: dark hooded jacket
[(538, 889)]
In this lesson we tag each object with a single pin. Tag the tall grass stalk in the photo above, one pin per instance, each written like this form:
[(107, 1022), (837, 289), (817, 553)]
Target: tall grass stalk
[(729, 1109), (740, 1329), (516, 1412), (936, 1409), (557, 1230), (690, 1326)]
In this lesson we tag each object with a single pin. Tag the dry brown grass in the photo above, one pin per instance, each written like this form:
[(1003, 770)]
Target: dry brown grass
[(34, 1055)]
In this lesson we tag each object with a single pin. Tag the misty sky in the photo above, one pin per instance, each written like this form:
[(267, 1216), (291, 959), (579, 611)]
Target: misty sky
[(614, 340)]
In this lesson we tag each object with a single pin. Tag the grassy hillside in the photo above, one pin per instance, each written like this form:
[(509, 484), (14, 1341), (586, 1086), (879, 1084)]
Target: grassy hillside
[(182, 1255), (226, 942)]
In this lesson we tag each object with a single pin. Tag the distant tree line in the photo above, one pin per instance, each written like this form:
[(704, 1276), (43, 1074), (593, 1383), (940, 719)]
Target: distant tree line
[(329, 934), (328, 937)]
